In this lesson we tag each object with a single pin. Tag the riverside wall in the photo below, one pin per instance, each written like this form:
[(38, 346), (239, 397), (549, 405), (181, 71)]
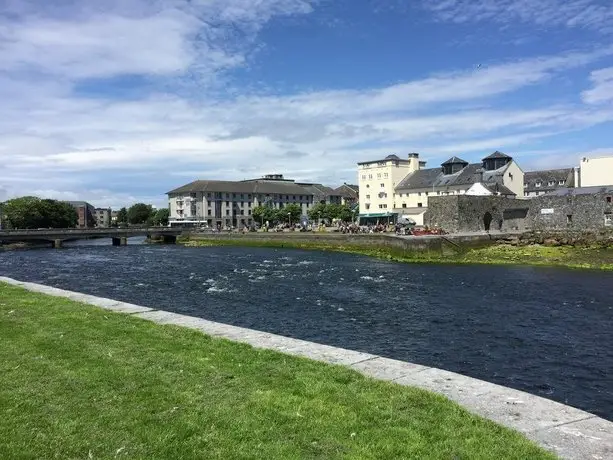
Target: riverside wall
[(427, 244)]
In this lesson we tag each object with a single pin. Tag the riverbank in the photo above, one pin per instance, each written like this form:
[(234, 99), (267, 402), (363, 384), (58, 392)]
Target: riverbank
[(77, 381), (463, 252)]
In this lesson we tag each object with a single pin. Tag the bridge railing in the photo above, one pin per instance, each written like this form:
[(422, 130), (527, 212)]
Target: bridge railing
[(86, 230)]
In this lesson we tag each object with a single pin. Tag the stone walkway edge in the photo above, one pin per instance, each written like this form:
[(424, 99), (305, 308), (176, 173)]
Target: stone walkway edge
[(570, 433)]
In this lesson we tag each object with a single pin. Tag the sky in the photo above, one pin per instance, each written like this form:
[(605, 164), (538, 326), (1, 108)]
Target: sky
[(119, 101)]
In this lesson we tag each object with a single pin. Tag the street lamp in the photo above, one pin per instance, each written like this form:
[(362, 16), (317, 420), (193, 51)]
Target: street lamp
[(289, 217)]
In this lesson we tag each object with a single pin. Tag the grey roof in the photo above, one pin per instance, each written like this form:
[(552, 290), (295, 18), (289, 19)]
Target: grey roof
[(496, 155), (251, 186), (454, 160), (318, 189), (581, 191), (434, 177), (348, 190), (544, 177), (392, 157)]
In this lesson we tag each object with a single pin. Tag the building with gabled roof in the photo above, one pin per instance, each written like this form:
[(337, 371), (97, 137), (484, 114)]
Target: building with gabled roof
[(546, 181)]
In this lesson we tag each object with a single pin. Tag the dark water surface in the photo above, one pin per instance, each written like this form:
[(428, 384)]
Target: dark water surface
[(541, 330)]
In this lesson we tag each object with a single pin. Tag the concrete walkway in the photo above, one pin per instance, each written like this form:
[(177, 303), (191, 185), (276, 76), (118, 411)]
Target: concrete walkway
[(571, 433)]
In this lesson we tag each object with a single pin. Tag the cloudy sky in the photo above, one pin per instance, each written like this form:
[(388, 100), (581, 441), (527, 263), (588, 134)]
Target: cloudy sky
[(121, 100)]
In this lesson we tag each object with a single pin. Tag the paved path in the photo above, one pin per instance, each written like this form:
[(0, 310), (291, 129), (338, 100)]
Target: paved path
[(571, 433)]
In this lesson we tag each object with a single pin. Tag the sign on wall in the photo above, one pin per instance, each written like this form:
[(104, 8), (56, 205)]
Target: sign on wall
[(547, 211)]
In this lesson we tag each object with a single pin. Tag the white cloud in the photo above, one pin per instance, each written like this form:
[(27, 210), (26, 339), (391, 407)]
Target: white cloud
[(602, 90), (587, 14), (61, 142)]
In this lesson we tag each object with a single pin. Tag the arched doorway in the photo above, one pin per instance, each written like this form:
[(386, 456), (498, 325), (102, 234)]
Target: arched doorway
[(487, 221)]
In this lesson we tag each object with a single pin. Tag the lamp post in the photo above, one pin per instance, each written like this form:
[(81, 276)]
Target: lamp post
[(289, 217)]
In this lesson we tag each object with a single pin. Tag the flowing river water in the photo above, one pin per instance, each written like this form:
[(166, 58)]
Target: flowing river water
[(542, 330)]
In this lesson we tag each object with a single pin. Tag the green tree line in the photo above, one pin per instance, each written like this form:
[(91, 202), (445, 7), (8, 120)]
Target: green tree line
[(292, 213), (30, 212)]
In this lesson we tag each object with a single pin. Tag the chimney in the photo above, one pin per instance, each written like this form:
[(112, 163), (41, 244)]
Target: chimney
[(414, 163)]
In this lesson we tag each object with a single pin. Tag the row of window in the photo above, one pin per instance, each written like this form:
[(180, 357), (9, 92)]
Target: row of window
[(385, 176), (550, 183), (243, 196)]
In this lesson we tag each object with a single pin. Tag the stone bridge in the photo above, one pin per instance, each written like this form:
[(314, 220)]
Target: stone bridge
[(119, 236)]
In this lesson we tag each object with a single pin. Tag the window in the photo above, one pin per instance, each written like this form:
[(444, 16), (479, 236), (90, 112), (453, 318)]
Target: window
[(367, 205), (426, 193), (609, 199), (511, 176), (379, 176), (227, 203), (208, 195), (382, 185), (368, 197), (242, 212), (561, 182), (382, 206), (385, 176), (608, 219), (569, 218), (227, 212), (538, 184), (438, 193), (370, 176), (227, 195), (363, 176), (367, 186), (551, 183), (404, 205), (418, 193), (209, 212), (420, 205), (250, 212), (525, 185)]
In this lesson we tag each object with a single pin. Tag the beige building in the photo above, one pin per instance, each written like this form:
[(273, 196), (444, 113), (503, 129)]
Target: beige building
[(400, 188), (377, 181), (594, 172)]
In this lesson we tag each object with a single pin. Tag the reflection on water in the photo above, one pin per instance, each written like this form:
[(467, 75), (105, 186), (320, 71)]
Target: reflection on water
[(546, 331)]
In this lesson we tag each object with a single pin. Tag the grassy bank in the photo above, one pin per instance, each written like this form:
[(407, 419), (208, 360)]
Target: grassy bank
[(563, 256), (80, 382)]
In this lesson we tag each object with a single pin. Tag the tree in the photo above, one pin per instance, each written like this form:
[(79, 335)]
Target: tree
[(262, 214), (346, 214), (139, 213), (122, 216), (161, 217), (316, 212), (31, 212), (290, 213)]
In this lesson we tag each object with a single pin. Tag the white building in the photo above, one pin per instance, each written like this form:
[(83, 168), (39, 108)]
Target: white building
[(594, 172), (497, 174)]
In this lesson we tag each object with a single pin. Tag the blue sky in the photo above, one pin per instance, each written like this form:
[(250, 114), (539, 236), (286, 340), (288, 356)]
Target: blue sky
[(119, 101)]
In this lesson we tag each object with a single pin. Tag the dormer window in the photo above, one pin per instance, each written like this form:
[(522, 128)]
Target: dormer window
[(551, 183), (453, 165), (538, 184), (561, 182)]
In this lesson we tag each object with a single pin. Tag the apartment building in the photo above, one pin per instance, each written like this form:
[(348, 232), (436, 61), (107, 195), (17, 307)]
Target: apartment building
[(349, 194), (103, 217), (222, 204), (86, 213), (547, 181), (377, 181)]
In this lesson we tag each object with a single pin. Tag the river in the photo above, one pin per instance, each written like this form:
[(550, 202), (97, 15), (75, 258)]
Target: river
[(542, 330)]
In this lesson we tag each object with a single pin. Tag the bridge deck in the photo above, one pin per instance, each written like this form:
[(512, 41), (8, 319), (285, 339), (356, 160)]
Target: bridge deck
[(77, 233)]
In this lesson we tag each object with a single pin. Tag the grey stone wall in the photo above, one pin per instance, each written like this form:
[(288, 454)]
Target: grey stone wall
[(570, 212), (465, 213)]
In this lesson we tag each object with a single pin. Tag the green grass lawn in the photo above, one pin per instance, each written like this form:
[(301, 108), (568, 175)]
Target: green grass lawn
[(78, 382)]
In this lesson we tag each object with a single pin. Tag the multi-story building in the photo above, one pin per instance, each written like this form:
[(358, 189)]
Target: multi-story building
[(377, 181), (103, 217), (86, 214), (349, 194), (218, 204), (594, 172), (405, 185), (321, 193), (542, 182)]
